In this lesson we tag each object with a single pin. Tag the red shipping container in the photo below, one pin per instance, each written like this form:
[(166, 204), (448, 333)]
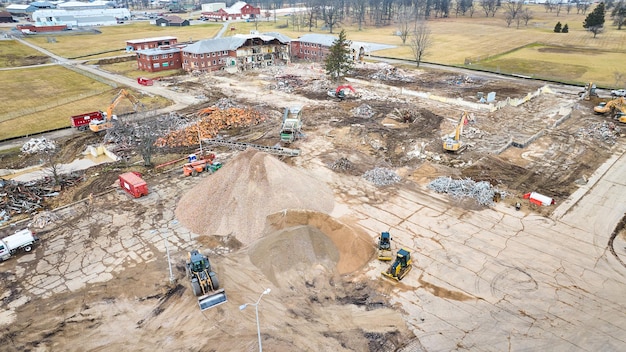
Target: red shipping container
[(132, 183)]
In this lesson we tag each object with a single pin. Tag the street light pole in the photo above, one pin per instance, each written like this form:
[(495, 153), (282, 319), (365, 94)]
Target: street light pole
[(256, 309), (169, 262)]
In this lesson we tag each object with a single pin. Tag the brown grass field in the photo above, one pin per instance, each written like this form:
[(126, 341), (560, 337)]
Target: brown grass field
[(534, 50)]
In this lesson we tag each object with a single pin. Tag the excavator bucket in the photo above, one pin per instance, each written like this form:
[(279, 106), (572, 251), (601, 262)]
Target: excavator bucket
[(212, 299)]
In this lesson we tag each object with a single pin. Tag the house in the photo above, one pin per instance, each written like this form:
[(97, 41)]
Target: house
[(171, 21), (236, 53), (6, 17), (239, 10), (150, 43), (315, 47), (163, 58)]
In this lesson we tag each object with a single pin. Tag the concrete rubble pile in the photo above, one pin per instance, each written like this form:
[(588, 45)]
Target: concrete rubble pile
[(483, 192), (342, 164), (605, 131), (381, 176), (225, 103), (212, 121), (37, 145), (287, 83), (390, 73), (364, 111), (43, 219)]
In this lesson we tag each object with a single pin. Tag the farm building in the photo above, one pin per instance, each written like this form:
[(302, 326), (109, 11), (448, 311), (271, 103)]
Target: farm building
[(214, 6), (79, 5), (6, 17), (150, 43), (20, 10), (160, 59), (79, 18), (315, 47), (171, 21), (239, 10), (236, 53)]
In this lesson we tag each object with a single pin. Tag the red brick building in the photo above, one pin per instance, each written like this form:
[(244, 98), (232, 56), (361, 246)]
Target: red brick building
[(315, 47), (160, 59), (149, 43), (239, 10)]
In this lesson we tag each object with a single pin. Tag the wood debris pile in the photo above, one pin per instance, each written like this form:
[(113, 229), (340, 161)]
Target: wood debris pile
[(211, 122)]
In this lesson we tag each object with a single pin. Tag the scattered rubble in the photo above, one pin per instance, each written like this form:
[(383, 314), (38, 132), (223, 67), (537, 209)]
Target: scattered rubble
[(364, 111), (381, 176), (605, 131), (483, 192), (342, 164), (225, 103), (43, 219), (390, 73), (287, 83), (37, 145)]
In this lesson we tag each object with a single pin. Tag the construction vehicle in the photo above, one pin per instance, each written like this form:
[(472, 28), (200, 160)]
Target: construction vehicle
[(21, 240), (617, 107), (203, 280), (101, 125), (590, 91), (384, 246), (340, 92), (81, 121), (452, 142), (291, 128), (205, 163), (401, 266)]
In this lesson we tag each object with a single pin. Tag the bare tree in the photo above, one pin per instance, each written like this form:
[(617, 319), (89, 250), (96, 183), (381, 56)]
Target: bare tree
[(557, 7), (330, 13), (360, 9), (53, 167), (420, 41), (568, 7), (404, 27), (512, 10), (490, 7), (508, 19), (582, 6), (527, 15)]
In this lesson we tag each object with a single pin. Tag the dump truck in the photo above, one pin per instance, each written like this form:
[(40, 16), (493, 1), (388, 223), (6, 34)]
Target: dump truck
[(81, 121), (400, 267), (384, 246), (21, 240), (291, 128), (203, 281)]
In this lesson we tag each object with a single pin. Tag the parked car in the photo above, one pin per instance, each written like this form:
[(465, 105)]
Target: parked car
[(619, 93)]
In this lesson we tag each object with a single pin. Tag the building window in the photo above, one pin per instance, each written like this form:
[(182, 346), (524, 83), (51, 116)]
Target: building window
[(164, 56), (214, 62), (155, 65), (201, 56), (213, 54), (171, 55), (155, 57)]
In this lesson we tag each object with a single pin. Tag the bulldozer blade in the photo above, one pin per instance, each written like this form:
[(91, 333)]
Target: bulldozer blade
[(212, 299), (384, 258), (386, 275)]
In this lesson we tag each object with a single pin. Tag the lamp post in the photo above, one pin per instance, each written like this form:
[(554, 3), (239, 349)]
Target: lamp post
[(256, 309)]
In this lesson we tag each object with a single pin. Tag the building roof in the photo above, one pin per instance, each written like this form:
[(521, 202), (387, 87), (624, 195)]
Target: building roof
[(42, 4), (173, 19), (17, 7), (264, 37), (281, 37), (323, 39), (5, 14), (214, 45), (78, 4), (158, 51), (153, 39)]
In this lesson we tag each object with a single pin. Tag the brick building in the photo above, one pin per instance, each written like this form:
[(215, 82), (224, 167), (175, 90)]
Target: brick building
[(160, 59), (149, 43), (315, 47), (239, 10), (236, 53)]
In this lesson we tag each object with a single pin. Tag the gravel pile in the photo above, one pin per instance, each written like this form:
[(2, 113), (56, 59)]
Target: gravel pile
[(342, 164), (365, 111), (225, 103), (38, 145), (381, 176), (237, 199), (481, 191)]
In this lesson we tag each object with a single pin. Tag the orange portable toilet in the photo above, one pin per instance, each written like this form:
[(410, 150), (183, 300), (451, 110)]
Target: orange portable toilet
[(132, 183)]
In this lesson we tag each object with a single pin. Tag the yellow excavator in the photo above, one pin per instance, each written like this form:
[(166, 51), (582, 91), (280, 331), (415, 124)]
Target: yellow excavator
[(590, 91), (617, 107), (454, 144), (101, 125), (401, 266), (204, 282)]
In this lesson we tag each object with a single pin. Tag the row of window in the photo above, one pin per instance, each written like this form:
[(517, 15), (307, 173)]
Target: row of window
[(204, 63), (311, 52), (313, 45), (219, 53), (156, 64)]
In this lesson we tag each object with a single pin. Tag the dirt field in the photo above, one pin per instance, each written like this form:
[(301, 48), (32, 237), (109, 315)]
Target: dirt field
[(306, 227)]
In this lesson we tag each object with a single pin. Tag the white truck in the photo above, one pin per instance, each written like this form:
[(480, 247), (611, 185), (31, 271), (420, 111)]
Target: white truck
[(20, 240)]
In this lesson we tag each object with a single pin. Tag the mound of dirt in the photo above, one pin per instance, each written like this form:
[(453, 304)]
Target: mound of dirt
[(237, 199)]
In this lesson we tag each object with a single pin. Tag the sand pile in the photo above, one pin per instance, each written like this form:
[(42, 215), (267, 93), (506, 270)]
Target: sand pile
[(237, 199)]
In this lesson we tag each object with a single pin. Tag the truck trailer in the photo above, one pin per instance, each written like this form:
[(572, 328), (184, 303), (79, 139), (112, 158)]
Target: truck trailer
[(81, 122), (23, 240)]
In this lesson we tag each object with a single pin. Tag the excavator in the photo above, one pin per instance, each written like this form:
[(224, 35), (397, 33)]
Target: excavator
[(340, 92), (617, 107), (101, 125), (384, 246), (454, 144), (590, 91), (401, 266), (204, 282)]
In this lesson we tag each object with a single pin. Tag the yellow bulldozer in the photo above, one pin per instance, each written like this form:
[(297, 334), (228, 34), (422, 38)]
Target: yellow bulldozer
[(617, 108), (204, 282), (401, 266)]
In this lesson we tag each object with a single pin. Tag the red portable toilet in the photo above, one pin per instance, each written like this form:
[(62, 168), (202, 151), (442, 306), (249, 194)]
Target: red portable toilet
[(132, 183)]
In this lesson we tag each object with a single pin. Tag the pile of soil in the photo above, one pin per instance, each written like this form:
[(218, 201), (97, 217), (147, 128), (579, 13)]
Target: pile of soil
[(237, 199)]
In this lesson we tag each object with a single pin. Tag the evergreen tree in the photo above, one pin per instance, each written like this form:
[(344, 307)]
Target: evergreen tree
[(339, 61), (557, 28), (595, 20), (565, 29)]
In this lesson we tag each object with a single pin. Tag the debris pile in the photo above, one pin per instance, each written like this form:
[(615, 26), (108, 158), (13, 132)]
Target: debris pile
[(342, 164), (225, 103), (407, 115), (41, 220), (483, 192), (604, 131), (390, 73), (212, 121), (364, 111), (381, 176), (287, 83), (37, 145)]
